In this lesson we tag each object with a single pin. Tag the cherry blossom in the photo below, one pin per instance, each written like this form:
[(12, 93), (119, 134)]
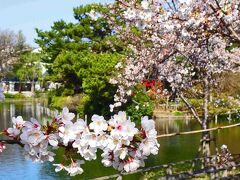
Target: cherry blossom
[(98, 124), (32, 136), (36, 145), (52, 139), (145, 4), (87, 146), (32, 124), (149, 146), (38, 153), (13, 132), (223, 147), (179, 28), (66, 116), (108, 158), (114, 142), (181, 43), (74, 168), (126, 130), (18, 124), (102, 141), (132, 164), (124, 145), (67, 133), (2, 147), (59, 167), (121, 152)]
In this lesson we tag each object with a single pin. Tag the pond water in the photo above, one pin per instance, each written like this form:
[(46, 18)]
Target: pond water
[(13, 165)]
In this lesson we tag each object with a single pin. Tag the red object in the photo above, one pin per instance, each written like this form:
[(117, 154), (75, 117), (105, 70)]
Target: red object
[(148, 83)]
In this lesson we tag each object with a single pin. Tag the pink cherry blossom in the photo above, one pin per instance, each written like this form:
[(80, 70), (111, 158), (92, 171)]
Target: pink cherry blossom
[(2, 147)]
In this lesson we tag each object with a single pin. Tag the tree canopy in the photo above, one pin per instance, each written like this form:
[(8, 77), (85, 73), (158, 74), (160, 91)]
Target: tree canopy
[(82, 55), (29, 67)]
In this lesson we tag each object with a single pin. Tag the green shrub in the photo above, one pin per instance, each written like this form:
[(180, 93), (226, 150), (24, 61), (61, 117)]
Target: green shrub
[(178, 113), (140, 105), (58, 102), (14, 96), (38, 94), (8, 95), (67, 92)]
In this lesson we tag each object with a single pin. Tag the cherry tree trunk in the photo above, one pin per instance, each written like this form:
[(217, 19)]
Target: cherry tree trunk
[(205, 122), (33, 86)]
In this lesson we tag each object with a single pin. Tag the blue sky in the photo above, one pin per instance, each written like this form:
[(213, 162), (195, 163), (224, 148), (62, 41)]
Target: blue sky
[(26, 15)]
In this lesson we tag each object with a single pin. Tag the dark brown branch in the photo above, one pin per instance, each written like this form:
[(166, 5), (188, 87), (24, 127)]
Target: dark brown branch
[(229, 27), (10, 141), (174, 5), (219, 7), (193, 110)]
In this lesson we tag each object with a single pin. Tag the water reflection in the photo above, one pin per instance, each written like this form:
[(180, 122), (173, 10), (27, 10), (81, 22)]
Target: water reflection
[(13, 165), (172, 125), (185, 147), (27, 109)]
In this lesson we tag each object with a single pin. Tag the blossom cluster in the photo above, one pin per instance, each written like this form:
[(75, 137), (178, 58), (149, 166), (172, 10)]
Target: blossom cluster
[(180, 42), (224, 158), (2, 147), (124, 146)]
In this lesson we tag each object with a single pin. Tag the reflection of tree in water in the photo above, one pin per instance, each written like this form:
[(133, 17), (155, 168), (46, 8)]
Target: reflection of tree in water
[(210, 142), (12, 160), (174, 148), (5, 111), (26, 109), (171, 125)]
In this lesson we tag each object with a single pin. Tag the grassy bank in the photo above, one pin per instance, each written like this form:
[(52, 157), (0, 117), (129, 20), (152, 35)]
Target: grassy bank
[(22, 97)]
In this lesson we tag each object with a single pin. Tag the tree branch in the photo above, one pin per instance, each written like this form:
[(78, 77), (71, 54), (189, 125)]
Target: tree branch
[(193, 110), (228, 26), (10, 141)]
